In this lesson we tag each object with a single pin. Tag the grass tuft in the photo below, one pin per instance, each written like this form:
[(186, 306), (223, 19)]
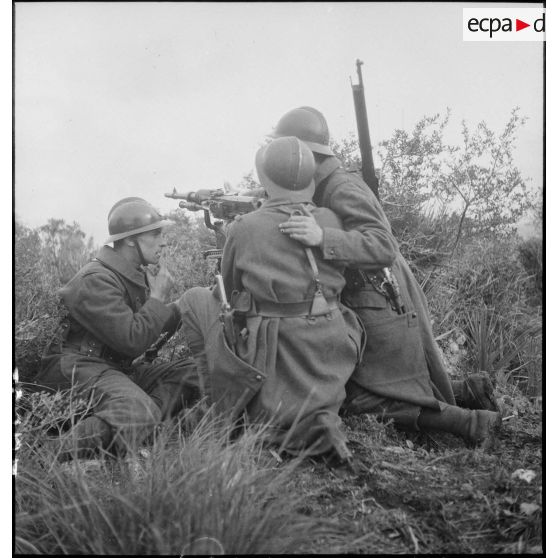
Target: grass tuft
[(191, 490)]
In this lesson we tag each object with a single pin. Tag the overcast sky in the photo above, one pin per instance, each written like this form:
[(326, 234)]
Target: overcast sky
[(120, 99)]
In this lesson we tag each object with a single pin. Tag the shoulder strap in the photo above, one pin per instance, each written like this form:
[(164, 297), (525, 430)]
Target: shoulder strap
[(314, 266), (319, 305)]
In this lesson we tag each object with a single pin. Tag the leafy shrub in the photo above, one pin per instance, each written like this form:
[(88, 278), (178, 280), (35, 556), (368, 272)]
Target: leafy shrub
[(437, 195), (34, 285), (36, 304), (476, 178), (484, 296), (64, 249), (186, 242), (45, 259)]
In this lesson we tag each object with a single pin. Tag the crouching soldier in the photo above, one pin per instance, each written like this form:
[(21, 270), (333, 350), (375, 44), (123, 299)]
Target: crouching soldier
[(297, 346), (402, 376), (116, 311)]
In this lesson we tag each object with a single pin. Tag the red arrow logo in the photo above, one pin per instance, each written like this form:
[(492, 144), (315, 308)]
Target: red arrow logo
[(519, 25)]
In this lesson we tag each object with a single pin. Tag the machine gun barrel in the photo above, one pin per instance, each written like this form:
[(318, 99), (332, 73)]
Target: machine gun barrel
[(221, 205), (199, 196)]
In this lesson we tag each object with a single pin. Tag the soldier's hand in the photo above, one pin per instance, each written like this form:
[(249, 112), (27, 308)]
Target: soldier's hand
[(303, 228), (161, 283)]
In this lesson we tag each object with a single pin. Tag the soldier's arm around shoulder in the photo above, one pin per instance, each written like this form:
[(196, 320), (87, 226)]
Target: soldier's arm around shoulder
[(366, 238), (99, 303)]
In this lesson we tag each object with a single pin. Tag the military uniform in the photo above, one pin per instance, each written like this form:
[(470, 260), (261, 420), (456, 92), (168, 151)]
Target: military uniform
[(296, 365), (110, 321), (402, 370)]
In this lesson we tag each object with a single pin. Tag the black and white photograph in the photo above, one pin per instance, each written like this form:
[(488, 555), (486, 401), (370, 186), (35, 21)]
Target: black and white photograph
[(278, 278)]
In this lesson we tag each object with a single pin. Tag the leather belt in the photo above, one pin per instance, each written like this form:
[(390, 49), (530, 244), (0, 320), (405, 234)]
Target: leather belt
[(91, 347), (291, 310), (83, 343), (357, 279)]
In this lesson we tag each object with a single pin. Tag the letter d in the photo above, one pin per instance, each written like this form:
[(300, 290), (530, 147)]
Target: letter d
[(535, 25)]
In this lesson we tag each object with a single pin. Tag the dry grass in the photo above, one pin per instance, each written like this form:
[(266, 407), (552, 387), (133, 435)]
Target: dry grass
[(190, 489)]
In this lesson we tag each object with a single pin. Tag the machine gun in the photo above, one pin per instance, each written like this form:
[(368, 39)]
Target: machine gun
[(389, 285), (222, 206)]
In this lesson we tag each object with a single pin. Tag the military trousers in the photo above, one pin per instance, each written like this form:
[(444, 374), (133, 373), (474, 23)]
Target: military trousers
[(128, 403), (394, 379)]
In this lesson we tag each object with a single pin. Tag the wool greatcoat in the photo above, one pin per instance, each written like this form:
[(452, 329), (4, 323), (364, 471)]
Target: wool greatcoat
[(402, 370), (110, 321), (297, 365)]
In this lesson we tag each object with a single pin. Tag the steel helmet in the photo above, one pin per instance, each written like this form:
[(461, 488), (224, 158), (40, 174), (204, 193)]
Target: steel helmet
[(132, 216), (287, 165), (308, 125)]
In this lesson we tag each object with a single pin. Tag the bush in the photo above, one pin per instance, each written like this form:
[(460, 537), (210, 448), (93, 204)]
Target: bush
[(34, 284), (36, 304), (186, 242), (425, 239), (482, 303)]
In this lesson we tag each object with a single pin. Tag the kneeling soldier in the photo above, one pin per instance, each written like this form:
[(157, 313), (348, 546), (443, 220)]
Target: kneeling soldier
[(297, 345), (115, 312), (402, 376)]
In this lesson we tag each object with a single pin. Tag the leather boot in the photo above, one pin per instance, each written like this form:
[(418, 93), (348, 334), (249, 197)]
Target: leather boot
[(475, 426), (82, 441), (475, 392)]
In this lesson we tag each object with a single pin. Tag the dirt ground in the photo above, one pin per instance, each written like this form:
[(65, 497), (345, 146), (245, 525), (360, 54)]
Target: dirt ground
[(418, 493)]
